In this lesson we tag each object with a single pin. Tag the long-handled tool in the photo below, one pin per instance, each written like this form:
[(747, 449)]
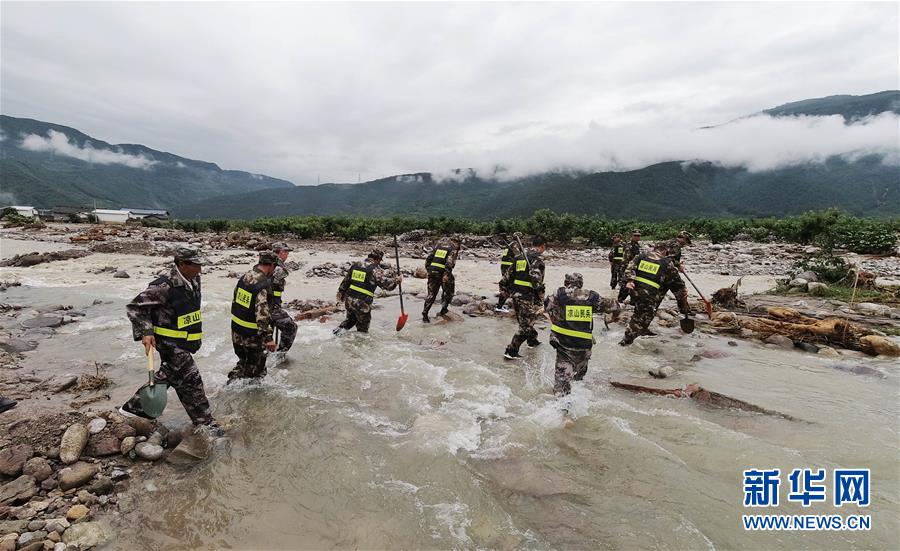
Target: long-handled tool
[(708, 304), (403, 315), (153, 396)]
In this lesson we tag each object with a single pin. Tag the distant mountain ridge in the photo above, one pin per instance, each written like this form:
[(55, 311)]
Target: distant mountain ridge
[(76, 169), (60, 165)]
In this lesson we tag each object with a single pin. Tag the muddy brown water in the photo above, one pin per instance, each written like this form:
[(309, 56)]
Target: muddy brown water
[(428, 439)]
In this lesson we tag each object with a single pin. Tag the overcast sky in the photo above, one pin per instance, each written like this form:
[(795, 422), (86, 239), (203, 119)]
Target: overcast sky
[(298, 91)]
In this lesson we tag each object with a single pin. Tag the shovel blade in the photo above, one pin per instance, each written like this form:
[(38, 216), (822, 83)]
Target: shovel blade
[(402, 321), (687, 325), (153, 399)]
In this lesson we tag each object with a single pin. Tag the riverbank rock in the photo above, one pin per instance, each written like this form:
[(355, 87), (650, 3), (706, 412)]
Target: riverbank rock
[(146, 450), (780, 341), (76, 475), (16, 346), (73, 442), (663, 372), (85, 535), (42, 321), (809, 276), (798, 283), (881, 346), (13, 458), (19, 490), (121, 274), (814, 287), (33, 259), (39, 468), (96, 425), (141, 426), (77, 512), (102, 444), (127, 445)]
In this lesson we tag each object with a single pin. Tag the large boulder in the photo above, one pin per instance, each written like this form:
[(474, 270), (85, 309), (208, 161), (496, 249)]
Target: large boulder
[(13, 458), (149, 451), (808, 275), (73, 442)]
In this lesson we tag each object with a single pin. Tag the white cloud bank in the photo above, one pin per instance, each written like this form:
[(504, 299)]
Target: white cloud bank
[(59, 144), (757, 143)]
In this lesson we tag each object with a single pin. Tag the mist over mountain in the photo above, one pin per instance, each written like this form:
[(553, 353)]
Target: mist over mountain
[(45, 164)]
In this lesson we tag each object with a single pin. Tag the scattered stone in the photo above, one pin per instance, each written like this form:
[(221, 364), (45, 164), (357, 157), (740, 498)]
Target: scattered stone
[(86, 534), (8, 542), (48, 484), (76, 475), (73, 442), (19, 490), (103, 485), (118, 474), (809, 276), (13, 526), (192, 449), (103, 444), (126, 503), (33, 546), (28, 537), (662, 372), (16, 346), (806, 347), (43, 320), (57, 525), (63, 383), (36, 525), (96, 425), (141, 426), (156, 438), (13, 458), (33, 259), (39, 468), (872, 309), (122, 430), (814, 287), (798, 283), (127, 445), (77, 512), (149, 451), (829, 352), (780, 341)]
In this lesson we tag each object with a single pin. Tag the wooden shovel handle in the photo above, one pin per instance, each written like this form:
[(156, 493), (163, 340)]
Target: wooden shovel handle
[(150, 365)]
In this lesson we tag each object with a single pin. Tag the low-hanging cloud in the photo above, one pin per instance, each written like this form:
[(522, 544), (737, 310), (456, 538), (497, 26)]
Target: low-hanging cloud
[(60, 144), (757, 143)]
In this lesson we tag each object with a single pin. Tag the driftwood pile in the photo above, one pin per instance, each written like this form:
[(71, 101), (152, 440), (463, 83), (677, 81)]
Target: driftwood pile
[(832, 331)]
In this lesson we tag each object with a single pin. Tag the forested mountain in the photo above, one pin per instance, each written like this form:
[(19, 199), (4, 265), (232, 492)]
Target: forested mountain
[(44, 165), (849, 107), (665, 190)]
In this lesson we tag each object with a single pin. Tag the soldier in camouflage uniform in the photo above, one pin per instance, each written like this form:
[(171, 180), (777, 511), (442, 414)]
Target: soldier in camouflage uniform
[(571, 310), (357, 290), (510, 252), (674, 246), (526, 279), (251, 321), (439, 264), (649, 276), (616, 258), (632, 249), (286, 326), (166, 316)]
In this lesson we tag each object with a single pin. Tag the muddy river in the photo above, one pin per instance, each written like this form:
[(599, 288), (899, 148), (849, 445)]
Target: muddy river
[(427, 438)]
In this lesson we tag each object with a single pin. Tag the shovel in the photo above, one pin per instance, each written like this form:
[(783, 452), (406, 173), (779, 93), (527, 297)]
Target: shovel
[(401, 321), (687, 324), (153, 396)]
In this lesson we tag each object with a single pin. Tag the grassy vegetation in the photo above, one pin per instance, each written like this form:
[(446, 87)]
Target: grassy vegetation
[(829, 228)]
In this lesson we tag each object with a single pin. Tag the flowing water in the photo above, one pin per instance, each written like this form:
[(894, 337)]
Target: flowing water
[(428, 439)]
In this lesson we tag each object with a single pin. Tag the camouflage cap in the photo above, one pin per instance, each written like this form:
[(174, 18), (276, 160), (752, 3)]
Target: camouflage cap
[(267, 257), (377, 253), (281, 246), (685, 235), (574, 280), (189, 254), (617, 236), (635, 232)]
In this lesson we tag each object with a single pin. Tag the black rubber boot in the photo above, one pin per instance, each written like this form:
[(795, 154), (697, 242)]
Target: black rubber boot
[(425, 318), (6, 404)]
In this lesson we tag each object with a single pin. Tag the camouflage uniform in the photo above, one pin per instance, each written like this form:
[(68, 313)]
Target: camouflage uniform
[(616, 267), (286, 325), (646, 298), (527, 303), (632, 249), (441, 279), (177, 368), (572, 363), (511, 251), (251, 349), (673, 248), (359, 310)]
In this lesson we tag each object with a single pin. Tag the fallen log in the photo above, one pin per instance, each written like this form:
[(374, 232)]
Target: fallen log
[(700, 394)]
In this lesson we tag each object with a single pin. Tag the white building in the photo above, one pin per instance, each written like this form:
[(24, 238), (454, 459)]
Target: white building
[(108, 216), (27, 212)]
